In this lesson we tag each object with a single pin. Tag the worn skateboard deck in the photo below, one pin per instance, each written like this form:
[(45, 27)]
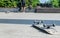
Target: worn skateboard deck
[(49, 31)]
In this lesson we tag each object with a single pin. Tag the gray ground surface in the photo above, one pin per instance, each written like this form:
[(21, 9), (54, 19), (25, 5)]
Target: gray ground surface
[(24, 30), (14, 10), (33, 16)]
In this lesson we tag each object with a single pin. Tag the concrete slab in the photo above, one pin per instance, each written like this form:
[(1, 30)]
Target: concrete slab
[(35, 16), (23, 31)]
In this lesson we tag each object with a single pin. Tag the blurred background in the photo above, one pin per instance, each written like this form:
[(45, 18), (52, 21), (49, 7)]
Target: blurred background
[(14, 3)]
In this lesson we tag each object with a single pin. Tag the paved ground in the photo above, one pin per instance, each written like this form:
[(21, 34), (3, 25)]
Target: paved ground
[(22, 15), (23, 30), (14, 10)]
